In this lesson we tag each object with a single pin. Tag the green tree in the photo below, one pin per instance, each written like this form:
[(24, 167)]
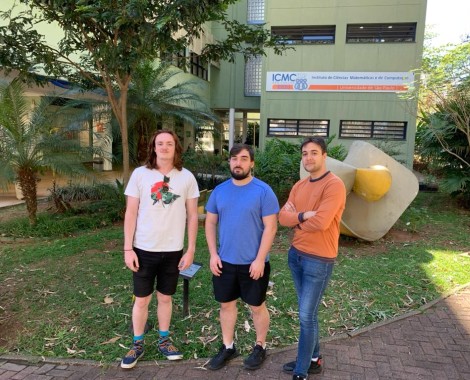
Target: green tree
[(443, 133), (30, 144), (105, 40), (443, 141)]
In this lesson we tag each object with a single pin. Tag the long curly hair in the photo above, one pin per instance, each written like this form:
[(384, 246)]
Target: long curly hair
[(151, 162)]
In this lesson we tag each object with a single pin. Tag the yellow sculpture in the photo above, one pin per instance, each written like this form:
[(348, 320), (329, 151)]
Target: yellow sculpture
[(372, 183)]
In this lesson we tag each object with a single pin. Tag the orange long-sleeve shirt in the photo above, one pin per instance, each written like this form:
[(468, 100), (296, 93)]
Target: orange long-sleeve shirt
[(318, 235)]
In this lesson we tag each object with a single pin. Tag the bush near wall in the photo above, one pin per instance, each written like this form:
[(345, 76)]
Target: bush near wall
[(209, 169)]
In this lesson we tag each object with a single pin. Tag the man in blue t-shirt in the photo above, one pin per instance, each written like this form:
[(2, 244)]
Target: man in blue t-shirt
[(245, 210)]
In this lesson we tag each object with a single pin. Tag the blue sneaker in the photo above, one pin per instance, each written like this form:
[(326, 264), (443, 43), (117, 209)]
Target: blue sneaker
[(169, 350), (134, 354)]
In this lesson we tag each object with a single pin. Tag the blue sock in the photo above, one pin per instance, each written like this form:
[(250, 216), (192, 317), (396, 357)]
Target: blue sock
[(138, 337), (163, 334)]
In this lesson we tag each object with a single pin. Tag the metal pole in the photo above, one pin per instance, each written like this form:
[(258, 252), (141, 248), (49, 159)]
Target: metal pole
[(231, 128), (185, 297)]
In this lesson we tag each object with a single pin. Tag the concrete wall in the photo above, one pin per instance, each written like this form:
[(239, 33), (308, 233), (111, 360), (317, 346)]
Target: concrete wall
[(227, 80)]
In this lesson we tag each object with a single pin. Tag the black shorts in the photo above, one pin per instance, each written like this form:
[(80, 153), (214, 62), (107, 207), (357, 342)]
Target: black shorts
[(162, 266), (235, 282)]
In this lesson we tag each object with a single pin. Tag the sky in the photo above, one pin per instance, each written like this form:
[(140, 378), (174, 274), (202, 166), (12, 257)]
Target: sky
[(450, 20)]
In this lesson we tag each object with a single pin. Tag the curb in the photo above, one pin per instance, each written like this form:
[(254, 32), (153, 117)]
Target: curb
[(202, 361)]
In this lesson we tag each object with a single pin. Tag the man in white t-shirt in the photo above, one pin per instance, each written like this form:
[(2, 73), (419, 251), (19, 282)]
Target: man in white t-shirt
[(161, 200)]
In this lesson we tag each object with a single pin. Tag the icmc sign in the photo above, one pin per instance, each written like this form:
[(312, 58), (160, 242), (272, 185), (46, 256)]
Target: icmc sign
[(284, 77), (339, 81)]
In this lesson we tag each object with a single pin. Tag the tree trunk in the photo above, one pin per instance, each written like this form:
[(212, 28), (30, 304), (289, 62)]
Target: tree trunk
[(124, 135), (119, 107), (28, 183)]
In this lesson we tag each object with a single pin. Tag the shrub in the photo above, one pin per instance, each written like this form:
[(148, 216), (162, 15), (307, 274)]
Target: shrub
[(87, 216), (209, 169), (278, 166)]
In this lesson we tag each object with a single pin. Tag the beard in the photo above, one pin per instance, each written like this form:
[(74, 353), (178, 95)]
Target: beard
[(309, 167), (239, 176)]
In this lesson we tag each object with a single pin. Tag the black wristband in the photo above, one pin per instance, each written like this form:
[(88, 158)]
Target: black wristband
[(301, 217)]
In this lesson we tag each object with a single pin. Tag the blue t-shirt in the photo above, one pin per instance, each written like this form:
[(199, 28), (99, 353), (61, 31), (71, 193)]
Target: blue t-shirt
[(240, 210)]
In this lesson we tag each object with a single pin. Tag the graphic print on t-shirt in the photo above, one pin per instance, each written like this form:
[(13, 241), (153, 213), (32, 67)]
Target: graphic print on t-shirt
[(161, 192)]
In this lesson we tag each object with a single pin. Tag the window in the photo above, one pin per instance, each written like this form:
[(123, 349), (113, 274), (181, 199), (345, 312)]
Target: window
[(253, 76), (306, 35), (255, 14), (177, 59), (381, 33), (198, 68), (283, 127), (179, 129), (384, 130)]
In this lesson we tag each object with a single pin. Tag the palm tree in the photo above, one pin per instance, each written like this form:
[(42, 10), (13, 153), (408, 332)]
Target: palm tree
[(156, 93), (30, 145), (163, 92)]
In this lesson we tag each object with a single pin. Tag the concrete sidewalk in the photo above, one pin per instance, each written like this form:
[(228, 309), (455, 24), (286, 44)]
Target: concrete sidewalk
[(432, 343)]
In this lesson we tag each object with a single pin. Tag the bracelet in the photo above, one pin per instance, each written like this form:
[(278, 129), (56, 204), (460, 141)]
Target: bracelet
[(128, 250)]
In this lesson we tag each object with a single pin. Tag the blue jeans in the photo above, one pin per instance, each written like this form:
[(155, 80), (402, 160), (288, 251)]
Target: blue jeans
[(310, 277)]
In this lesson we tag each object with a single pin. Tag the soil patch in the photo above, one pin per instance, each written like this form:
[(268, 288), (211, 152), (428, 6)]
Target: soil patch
[(9, 324), (19, 211)]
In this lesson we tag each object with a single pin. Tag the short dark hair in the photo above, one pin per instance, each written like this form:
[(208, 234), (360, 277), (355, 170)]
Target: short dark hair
[(316, 140), (237, 148), (151, 162)]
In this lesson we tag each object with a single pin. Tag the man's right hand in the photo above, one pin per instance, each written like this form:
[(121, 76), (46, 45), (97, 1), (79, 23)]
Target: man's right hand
[(131, 260), (216, 265)]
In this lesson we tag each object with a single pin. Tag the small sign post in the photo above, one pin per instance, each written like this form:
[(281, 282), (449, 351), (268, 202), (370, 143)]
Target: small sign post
[(187, 275)]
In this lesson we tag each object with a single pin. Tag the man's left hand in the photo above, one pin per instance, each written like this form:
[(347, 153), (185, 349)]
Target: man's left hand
[(257, 269)]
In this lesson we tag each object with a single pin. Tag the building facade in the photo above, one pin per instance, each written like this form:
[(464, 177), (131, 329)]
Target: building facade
[(350, 64)]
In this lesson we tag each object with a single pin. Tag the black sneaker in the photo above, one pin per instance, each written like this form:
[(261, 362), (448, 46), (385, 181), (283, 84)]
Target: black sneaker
[(134, 354), (315, 367), (256, 358), (298, 377), (224, 355)]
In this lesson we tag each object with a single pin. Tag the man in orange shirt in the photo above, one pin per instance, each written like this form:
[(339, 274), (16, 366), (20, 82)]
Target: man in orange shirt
[(314, 210)]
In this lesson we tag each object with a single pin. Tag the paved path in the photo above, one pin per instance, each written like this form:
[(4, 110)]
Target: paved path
[(432, 343)]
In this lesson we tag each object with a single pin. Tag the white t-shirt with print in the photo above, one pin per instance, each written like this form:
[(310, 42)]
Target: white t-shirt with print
[(161, 218)]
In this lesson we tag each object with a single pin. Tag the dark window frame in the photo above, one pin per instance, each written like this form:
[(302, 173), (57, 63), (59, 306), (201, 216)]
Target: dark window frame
[(177, 59), (398, 32), (306, 35), (197, 67), (299, 127), (373, 130)]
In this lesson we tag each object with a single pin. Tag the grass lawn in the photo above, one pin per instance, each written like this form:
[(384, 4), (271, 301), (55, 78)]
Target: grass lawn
[(71, 296)]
